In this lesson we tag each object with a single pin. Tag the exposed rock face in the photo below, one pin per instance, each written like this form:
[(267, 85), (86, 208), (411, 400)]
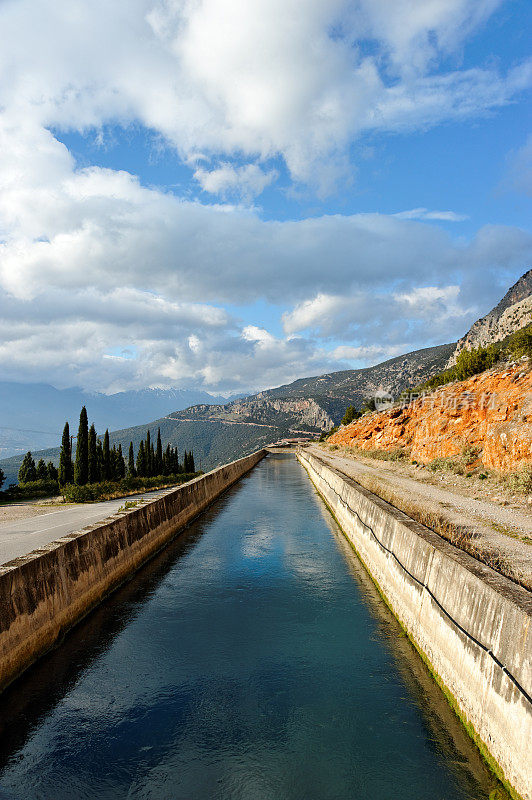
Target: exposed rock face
[(491, 412), (512, 313)]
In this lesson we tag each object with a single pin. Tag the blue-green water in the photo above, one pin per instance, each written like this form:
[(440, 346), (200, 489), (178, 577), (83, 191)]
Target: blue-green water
[(252, 659)]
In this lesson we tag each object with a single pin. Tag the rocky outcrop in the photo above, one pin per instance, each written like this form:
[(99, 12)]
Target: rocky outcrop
[(490, 413), (512, 313)]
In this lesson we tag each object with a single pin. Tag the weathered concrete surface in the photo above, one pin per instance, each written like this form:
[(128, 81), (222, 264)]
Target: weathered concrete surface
[(472, 624), (44, 593)]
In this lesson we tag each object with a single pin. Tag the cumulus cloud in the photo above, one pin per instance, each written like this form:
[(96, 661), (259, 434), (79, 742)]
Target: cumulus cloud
[(246, 182), (94, 265), (287, 78), (426, 314)]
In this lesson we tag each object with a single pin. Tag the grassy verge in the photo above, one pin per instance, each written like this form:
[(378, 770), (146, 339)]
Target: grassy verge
[(462, 536)]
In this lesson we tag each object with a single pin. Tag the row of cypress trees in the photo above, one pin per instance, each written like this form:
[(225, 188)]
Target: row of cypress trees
[(96, 461), (30, 472)]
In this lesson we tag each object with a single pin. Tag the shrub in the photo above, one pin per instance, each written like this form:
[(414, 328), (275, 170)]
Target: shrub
[(109, 489), (521, 481), (350, 414), (30, 490)]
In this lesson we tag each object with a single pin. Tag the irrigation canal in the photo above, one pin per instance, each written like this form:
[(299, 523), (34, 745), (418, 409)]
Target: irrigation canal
[(251, 660)]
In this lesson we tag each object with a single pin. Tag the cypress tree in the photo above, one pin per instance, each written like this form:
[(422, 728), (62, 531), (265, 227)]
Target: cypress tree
[(120, 463), (27, 471), (42, 472), (94, 473), (131, 471), (99, 460), (148, 451), (191, 465), (66, 469), (81, 467), (51, 471), (159, 454), (106, 463), (141, 460)]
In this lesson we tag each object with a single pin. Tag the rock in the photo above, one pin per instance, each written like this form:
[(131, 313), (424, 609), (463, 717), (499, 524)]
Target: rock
[(495, 421)]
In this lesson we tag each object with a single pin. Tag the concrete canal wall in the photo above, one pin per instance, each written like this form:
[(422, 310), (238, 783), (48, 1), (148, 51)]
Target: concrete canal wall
[(46, 592), (471, 624)]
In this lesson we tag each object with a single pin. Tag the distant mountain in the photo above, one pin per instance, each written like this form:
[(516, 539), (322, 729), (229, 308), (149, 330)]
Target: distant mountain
[(513, 312), (222, 432), (32, 415)]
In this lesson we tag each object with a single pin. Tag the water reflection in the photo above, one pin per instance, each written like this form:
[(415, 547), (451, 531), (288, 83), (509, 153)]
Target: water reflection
[(252, 659)]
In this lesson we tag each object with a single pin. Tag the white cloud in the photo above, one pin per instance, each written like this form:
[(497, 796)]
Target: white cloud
[(246, 182), (93, 264), (424, 213), (267, 78)]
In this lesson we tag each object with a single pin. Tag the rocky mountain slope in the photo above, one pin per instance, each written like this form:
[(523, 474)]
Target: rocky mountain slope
[(488, 416), (512, 313)]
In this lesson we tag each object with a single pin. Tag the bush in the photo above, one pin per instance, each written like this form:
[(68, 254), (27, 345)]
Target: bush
[(108, 489), (521, 481), (30, 490), (350, 414), (521, 343)]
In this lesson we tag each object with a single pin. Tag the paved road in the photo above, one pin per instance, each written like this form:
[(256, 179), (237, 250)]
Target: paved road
[(24, 535)]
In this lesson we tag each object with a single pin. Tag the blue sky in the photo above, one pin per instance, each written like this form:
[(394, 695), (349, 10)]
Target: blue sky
[(230, 195)]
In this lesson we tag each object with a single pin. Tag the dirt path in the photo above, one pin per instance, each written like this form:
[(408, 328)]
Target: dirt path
[(11, 512), (502, 529)]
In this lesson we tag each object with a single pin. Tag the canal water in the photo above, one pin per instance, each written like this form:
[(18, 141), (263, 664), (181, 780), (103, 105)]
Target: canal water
[(251, 660)]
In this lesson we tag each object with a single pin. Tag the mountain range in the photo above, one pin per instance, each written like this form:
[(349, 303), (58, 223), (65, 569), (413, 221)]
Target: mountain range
[(222, 431), (32, 415)]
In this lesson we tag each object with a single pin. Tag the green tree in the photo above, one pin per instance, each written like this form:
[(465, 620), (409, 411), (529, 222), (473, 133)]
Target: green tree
[(42, 472), (27, 471), (66, 469), (148, 454), (191, 465), (521, 343), (368, 405), (141, 460), (350, 414), (159, 455), (92, 457), (131, 471), (51, 472), (99, 458), (106, 457), (81, 466), (2, 478)]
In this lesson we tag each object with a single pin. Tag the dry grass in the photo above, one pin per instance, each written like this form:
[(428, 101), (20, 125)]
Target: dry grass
[(461, 536)]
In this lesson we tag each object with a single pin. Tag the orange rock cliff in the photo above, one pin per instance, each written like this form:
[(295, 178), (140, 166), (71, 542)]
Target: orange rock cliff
[(491, 411)]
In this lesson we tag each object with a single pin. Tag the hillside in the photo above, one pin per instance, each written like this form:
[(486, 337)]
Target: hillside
[(219, 433), (224, 431), (513, 312), (488, 417)]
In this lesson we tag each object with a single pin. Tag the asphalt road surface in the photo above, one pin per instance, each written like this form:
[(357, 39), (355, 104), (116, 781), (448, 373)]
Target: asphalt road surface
[(24, 535)]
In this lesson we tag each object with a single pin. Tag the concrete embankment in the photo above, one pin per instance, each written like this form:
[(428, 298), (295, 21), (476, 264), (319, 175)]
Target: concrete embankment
[(46, 592), (472, 625)]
